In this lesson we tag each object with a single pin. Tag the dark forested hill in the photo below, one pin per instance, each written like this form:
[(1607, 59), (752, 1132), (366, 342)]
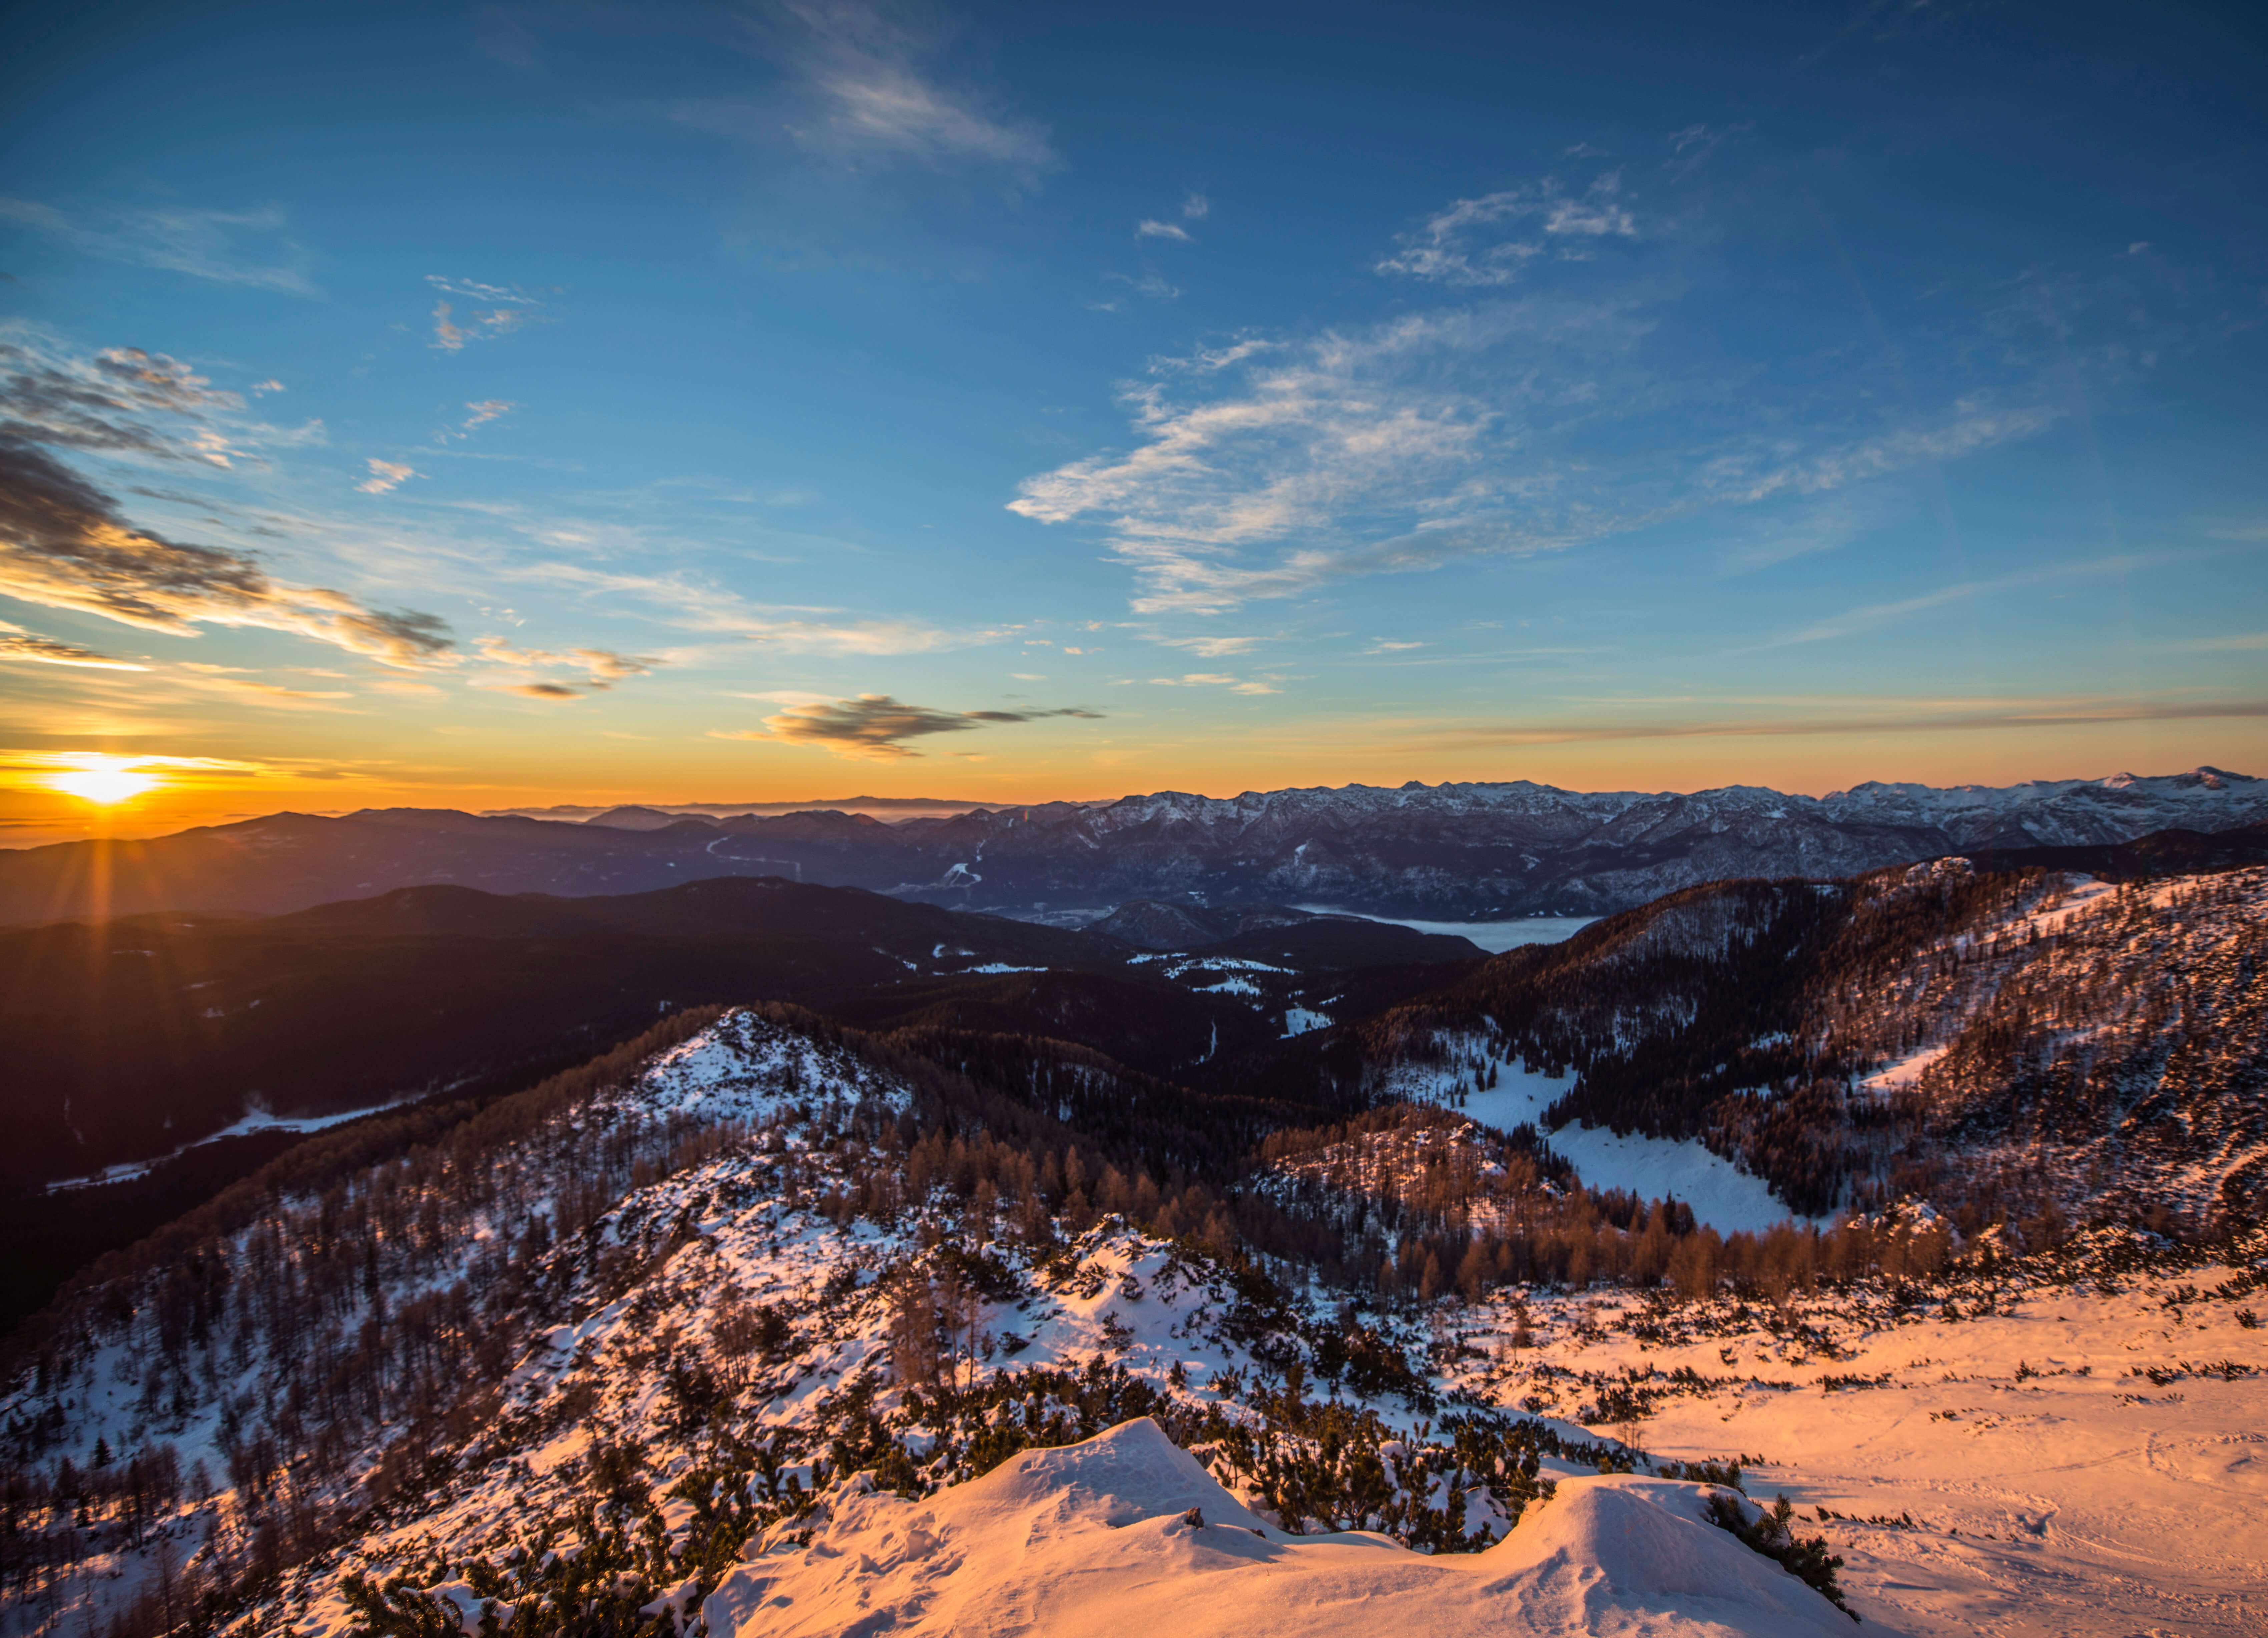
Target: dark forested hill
[(1991, 1040)]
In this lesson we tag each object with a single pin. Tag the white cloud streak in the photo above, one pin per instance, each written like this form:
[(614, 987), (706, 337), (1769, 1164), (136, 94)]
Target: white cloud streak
[(870, 84), (1447, 248), (696, 605), (1855, 621), (203, 244)]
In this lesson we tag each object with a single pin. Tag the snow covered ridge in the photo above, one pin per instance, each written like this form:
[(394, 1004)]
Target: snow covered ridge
[(757, 1071), (1127, 1530), (2049, 812), (1481, 851)]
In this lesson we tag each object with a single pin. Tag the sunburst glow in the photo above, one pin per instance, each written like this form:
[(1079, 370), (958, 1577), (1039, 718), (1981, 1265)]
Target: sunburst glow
[(108, 784)]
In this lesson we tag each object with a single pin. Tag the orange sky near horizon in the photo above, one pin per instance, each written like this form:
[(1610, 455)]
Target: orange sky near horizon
[(206, 789)]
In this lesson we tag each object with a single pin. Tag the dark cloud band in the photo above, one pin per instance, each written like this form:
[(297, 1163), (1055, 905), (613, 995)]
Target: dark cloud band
[(65, 544), (876, 725)]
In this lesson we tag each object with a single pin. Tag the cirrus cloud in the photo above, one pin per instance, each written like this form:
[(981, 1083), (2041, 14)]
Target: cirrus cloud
[(203, 243), (1492, 424)]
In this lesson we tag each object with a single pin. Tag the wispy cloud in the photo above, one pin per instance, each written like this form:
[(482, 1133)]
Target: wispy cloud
[(1854, 621), (699, 604), (1212, 648), (1318, 438), (509, 310), (1196, 206), (17, 643), (218, 679), (1496, 423), (64, 544), (1150, 228), (121, 400), (484, 410), (450, 337), (874, 727), (1152, 283), (473, 290), (1213, 680), (386, 475), (601, 668), (209, 244), (871, 82), (1449, 248)]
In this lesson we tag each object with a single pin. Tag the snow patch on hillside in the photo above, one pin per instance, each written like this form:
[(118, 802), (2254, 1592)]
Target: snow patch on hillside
[(1653, 1168)]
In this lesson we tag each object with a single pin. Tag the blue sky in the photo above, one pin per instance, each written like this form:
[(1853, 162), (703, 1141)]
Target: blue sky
[(466, 406)]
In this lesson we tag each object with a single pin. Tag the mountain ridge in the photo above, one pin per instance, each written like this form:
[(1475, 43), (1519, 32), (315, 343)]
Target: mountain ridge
[(1452, 851)]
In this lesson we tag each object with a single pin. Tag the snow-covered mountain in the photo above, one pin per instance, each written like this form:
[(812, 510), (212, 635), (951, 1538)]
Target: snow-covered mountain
[(1454, 851)]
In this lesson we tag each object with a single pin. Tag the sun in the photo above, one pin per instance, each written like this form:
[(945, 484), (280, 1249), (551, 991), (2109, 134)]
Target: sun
[(104, 785)]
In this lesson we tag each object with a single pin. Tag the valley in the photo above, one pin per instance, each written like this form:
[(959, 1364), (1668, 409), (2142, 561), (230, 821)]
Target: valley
[(1928, 1199)]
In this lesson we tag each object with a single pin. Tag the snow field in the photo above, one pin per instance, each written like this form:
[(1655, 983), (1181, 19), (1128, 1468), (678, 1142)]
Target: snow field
[(2050, 1491)]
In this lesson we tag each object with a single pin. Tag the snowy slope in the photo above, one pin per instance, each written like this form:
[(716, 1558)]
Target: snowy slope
[(730, 1356)]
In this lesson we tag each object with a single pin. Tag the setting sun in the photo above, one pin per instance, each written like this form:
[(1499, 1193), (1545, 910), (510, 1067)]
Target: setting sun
[(105, 785)]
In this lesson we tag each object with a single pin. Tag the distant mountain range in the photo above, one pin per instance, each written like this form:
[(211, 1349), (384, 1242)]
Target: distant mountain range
[(1448, 851)]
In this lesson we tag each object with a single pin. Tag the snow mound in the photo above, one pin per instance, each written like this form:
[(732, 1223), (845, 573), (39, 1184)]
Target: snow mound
[(1105, 1538), (1623, 1555)]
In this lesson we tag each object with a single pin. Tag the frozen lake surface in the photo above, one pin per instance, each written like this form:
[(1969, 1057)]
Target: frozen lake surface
[(1496, 938)]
